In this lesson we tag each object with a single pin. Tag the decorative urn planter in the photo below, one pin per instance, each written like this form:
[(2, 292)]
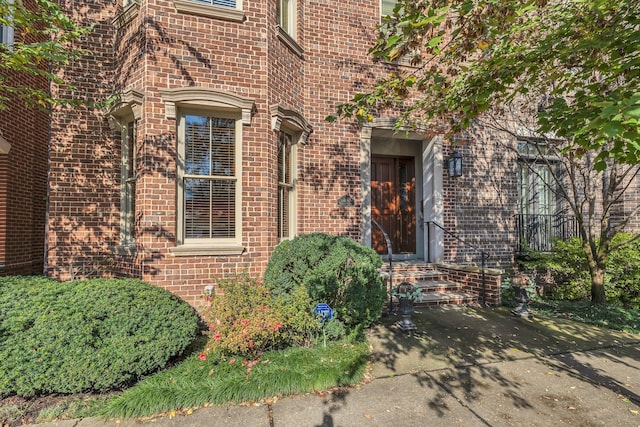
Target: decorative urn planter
[(407, 294)]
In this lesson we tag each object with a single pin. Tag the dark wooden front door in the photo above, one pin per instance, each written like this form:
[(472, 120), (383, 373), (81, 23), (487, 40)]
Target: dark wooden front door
[(393, 203)]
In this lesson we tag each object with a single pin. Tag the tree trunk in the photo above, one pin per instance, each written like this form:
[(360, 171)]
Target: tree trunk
[(598, 295)]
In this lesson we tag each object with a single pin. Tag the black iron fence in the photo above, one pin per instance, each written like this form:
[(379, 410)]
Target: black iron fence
[(539, 232)]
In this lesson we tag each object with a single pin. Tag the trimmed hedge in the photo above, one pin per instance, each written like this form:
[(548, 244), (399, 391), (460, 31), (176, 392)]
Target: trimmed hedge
[(335, 270), (93, 335)]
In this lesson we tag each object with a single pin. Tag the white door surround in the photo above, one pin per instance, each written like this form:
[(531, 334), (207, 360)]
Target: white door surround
[(381, 137)]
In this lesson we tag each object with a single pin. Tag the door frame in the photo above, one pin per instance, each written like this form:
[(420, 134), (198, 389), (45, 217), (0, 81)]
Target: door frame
[(381, 138)]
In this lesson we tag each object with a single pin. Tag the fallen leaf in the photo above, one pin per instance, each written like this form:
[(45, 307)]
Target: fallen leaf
[(367, 416)]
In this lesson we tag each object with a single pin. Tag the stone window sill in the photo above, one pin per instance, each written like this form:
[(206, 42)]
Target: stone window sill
[(127, 15), (289, 41), (198, 250), (193, 7), (125, 250)]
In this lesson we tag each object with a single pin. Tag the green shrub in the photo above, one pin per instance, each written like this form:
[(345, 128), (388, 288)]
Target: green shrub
[(622, 280), (246, 320), (508, 290), (334, 270), (564, 273), (93, 335)]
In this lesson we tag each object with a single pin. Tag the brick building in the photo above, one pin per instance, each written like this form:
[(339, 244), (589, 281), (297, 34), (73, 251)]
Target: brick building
[(212, 146), (24, 142)]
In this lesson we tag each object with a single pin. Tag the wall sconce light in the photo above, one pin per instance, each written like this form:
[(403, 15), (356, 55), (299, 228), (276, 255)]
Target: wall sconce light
[(455, 164)]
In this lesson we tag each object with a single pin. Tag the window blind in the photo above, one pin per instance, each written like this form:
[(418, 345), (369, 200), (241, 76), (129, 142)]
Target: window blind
[(209, 180)]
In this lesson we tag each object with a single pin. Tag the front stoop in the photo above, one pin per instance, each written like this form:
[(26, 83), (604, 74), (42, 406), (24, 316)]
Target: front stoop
[(436, 288)]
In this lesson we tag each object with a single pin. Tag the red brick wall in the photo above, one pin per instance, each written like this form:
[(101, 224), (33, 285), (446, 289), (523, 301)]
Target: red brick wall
[(23, 177), (85, 157), (480, 205), (337, 38), (162, 49)]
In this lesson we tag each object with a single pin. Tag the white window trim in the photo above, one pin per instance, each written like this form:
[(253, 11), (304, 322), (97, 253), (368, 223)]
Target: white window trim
[(285, 38), (288, 120), (127, 215), (126, 110), (7, 32), (237, 178), (198, 8), (292, 15), (200, 100), (381, 11), (293, 192)]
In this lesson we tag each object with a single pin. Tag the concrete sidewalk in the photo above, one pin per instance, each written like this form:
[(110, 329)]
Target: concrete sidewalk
[(465, 366)]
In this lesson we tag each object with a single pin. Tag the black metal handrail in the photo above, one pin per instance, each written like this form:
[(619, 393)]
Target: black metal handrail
[(483, 254), (390, 253)]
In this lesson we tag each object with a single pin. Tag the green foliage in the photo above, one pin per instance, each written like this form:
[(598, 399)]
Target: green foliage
[(563, 273), (334, 270), (611, 316), (246, 320), (219, 380), (333, 329), (622, 278), (566, 276), (407, 291), (508, 291), (93, 335), (474, 55), (44, 43)]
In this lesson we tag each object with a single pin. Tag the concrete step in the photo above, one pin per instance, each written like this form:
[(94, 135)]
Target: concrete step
[(437, 285), (447, 298), (407, 266), (416, 277)]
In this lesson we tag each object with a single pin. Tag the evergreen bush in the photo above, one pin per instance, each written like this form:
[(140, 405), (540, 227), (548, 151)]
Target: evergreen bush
[(81, 336), (564, 273), (335, 270)]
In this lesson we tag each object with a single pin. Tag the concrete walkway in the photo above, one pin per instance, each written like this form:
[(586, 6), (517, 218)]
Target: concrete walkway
[(465, 366)]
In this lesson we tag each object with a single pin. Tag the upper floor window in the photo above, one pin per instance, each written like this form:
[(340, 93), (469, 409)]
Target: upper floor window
[(6, 35), (287, 16), (386, 7), (6, 29), (223, 3), (228, 10)]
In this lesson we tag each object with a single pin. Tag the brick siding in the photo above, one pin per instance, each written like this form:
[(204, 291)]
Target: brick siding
[(160, 48), (23, 179)]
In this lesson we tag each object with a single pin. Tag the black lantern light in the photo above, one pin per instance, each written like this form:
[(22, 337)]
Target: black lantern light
[(455, 164)]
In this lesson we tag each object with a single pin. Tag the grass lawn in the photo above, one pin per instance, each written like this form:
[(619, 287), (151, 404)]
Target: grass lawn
[(217, 380), (194, 383), (608, 316)]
